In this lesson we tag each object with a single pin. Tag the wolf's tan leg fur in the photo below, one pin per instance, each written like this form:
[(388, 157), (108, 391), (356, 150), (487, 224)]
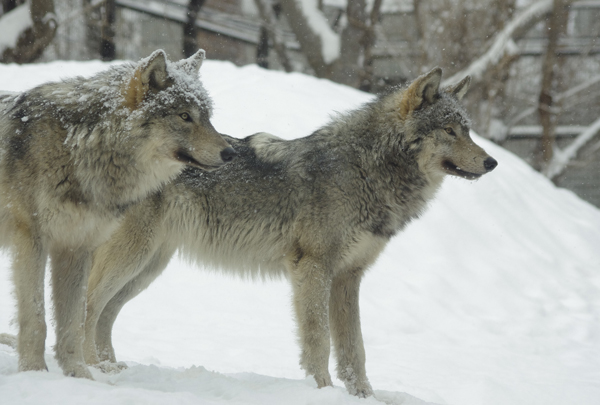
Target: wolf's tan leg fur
[(29, 260), (70, 271), (311, 283), (105, 324), (110, 274), (105, 320), (346, 334)]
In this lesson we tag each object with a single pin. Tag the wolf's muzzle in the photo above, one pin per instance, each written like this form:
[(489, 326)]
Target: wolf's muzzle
[(490, 164), (228, 154)]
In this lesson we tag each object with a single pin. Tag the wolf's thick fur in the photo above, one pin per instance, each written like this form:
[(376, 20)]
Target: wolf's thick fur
[(73, 156), (318, 209)]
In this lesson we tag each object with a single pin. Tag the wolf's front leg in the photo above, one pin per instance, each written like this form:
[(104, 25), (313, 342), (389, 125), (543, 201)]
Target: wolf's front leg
[(154, 267), (311, 282), (29, 259), (344, 315), (70, 271)]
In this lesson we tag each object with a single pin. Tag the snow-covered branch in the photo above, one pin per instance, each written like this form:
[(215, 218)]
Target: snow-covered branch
[(310, 39), (332, 55), (317, 22), (561, 158), (503, 42), (12, 25), (26, 31)]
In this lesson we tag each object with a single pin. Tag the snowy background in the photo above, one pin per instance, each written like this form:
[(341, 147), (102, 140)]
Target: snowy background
[(492, 298)]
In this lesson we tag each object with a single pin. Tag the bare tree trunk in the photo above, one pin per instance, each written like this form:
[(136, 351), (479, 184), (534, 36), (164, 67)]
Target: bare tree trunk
[(34, 40), (190, 32), (262, 49), (421, 33), (93, 29), (348, 69), (369, 39), (266, 13), (556, 26), (347, 66), (310, 42), (107, 33)]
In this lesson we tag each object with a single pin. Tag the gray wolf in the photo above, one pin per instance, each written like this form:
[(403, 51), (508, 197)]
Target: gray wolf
[(317, 210), (73, 156)]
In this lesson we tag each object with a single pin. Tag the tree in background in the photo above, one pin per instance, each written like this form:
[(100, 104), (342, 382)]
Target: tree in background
[(332, 55), (35, 24), (190, 33), (551, 67), (269, 35), (107, 31), (100, 19)]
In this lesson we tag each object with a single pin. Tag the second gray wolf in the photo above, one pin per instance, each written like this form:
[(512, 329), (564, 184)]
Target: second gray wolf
[(73, 156), (317, 210)]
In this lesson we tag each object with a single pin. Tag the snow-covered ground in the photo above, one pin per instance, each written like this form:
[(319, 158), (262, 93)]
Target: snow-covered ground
[(492, 298)]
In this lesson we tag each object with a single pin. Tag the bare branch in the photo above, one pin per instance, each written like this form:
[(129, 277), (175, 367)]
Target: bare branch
[(561, 158), (516, 27)]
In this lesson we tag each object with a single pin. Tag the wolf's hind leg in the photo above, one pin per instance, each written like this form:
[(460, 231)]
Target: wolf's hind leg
[(130, 290), (29, 259), (311, 282), (70, 271), (346, 333)]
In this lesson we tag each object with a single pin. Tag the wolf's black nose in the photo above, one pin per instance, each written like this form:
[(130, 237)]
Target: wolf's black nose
[(490, 164), (228, 154)]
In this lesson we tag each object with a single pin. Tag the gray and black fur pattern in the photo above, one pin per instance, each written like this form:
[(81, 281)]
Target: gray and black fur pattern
[(317, 210)]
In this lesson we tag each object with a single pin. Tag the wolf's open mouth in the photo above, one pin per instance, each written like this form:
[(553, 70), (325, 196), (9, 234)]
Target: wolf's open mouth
[(451, 168), (183, 157)]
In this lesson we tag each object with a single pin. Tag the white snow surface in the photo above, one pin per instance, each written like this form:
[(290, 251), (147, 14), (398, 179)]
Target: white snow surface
[(12, 24), (491, 298)]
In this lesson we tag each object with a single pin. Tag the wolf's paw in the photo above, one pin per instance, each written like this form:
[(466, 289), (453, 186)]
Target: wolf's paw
[(362, 391), (78, 371), (323, 380), (109, 367)]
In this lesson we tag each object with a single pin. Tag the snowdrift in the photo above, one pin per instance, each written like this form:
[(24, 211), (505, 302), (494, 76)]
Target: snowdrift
[(493, 297)]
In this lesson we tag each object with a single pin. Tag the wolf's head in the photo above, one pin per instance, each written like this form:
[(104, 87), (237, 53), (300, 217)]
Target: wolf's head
[(173, 109), (436, 128)]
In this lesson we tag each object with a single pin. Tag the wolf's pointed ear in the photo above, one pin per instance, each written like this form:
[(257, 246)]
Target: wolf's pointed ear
[(424, 90), (460, 88), (154, 70), (195, 61), (192, 64), (150, 76)]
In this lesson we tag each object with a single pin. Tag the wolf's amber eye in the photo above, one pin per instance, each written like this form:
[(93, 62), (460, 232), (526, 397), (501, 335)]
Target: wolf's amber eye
[(186, 117), (450, 131)]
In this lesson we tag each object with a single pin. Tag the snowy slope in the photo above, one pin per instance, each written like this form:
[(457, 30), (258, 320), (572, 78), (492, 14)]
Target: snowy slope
[(492, 298)]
